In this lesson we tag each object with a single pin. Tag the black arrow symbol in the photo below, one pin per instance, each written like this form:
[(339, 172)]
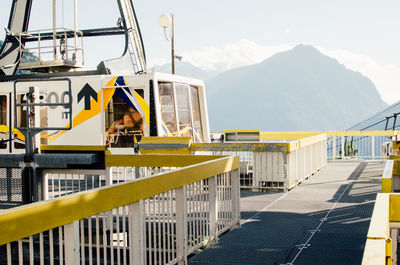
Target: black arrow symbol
[(87, 91)]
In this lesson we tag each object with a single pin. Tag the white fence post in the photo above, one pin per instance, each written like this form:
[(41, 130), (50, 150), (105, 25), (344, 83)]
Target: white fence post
[(136, 233), (235, 181), (45, 185), (181, 226), (334, 147), (342, 147), (71, 238), (373, 147), (212, 194), (109, 180)]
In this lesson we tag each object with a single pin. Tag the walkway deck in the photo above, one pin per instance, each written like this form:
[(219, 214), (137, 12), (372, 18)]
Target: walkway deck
[(324, 221)]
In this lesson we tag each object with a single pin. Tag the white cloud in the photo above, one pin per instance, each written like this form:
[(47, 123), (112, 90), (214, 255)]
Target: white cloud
[(244, 52), (241, 53)]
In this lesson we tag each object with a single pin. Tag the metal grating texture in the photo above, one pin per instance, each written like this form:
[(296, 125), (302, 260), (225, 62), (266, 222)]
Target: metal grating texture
[(324, 221), (10, 187)]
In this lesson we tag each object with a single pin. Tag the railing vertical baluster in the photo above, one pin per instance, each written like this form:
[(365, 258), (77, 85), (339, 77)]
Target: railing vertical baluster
[(9, 254), (111, 229), (137, 245), (45, 188), (90, 240), (52, 185), (59, 185), (82, 230), (108, 176), (20, 253), (60, 245), (181, 225), (153, 222), (97, 240), (164, 221), (124, 235), (213, 201), (170, 241), (104, 238), (372, 147), (189, 191), (235, 198), (118, 235), (71, 239), (159, 228), (51, 247), (41, 250), (31, 250), (342, 143)]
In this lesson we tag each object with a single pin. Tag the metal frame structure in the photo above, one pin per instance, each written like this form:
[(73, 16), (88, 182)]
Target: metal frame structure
[(148, 223)]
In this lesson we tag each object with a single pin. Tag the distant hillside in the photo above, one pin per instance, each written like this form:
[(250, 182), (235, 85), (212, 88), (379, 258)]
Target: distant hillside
[(300, 89), (186, 69)]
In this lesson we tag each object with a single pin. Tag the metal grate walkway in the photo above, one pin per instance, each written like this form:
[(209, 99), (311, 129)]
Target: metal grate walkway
[(324, 221)]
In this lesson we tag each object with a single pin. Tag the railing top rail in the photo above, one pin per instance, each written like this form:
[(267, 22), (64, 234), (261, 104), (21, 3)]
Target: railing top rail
[(156, 160), (312, 140), (380, 218), (259, 146), (304, 134), (242, 147), (27, 220), (376, 245)]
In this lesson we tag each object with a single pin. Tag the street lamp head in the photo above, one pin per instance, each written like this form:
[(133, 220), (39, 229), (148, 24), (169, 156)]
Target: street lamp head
[(165, 21)]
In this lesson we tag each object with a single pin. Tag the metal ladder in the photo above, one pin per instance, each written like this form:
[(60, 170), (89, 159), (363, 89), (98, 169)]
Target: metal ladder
[(134, 46)]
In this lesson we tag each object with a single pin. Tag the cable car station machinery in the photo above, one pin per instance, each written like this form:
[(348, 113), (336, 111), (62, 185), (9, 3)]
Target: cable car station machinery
[(59, 116)]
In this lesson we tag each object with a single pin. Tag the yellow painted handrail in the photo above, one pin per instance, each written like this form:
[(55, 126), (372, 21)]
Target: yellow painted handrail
[(160, 160), (31, 219), (376, 247), (312, 140), (241, 147), (259, 146)]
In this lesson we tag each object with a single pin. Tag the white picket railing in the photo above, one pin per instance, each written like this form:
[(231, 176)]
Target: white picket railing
[(276, 164), (196, 204)]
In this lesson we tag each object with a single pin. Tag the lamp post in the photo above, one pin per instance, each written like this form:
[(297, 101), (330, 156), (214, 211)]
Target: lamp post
[(166, 21)]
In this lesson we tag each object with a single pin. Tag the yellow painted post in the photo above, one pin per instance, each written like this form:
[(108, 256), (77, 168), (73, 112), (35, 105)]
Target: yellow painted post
[(387, 178), (389, 251)]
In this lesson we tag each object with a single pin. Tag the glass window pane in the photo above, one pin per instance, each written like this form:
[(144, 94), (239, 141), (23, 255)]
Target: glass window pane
[(124, 124), (168, 114), (198, 129), (184, 110)]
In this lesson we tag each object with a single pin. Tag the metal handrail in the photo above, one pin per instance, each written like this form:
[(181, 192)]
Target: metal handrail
[(76, 206), (62, 32)]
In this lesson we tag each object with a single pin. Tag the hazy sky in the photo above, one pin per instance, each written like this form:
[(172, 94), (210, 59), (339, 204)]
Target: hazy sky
[(362, 34)]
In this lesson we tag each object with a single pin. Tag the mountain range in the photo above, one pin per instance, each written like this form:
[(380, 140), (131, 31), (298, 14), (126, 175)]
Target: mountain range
[(299, 89)]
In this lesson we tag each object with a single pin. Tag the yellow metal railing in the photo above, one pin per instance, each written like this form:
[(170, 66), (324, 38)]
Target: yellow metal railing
[(392, 169), (387, 178), (378, 247), (27, 220), (304, 134), (293, 145)]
